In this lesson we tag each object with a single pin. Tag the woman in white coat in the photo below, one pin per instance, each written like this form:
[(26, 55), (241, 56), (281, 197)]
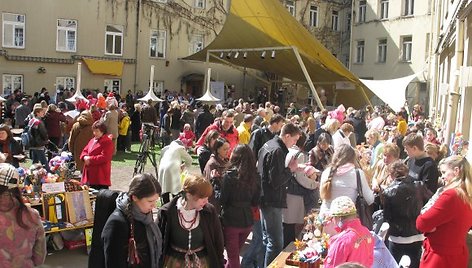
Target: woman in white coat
[(174, 157)]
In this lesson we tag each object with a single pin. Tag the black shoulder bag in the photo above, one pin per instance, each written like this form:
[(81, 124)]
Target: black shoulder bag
[(363, 209)]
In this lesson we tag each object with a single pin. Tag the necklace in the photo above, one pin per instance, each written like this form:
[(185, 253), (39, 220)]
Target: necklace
[(183, 222)]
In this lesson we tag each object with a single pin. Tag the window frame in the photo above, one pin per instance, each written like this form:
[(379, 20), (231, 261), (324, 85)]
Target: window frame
[(382, 49), (362, 11), (158, 38), (292, 9), (62, 81), (200, 4), (12, 83), (360, 51), (111, 83), (407, 48), (114, 35), (15, 25), (408, 7), (193, 44), (313, 16), (66, 29), (384, 8), (335, 20)]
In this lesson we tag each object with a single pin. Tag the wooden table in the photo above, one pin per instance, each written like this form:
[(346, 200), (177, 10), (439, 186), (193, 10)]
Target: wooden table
[(280, 260)]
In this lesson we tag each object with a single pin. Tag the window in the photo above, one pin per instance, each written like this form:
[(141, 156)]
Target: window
[(12, 82), (114, 40), (63, 83), (13, 30), (407, 44), (360, 51), (408, 7), (362, 10), (290, 5), (66, 38), (200, 3), (112, 85), (348, 22), (334, 20), (313, 16), (157, 48), (383, 9), (382, 51), (196, 43), (158, 87)]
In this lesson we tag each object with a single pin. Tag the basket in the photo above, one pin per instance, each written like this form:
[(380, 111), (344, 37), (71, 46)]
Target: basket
[(291, 261)]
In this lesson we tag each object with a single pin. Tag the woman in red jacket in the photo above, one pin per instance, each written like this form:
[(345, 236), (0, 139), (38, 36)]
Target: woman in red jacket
[(447, 218), (97, 156)]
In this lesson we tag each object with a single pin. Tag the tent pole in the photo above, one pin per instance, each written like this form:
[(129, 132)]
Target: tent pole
[(308, 78), (365, 96), (238, 68)]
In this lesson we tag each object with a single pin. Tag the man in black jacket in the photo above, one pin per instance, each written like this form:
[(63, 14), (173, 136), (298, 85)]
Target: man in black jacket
[(39, 137), (264, 134), (203, 121), (275, 176)]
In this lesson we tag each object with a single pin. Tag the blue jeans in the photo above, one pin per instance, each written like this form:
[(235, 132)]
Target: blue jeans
[(39, 156), (254, 255), (272, 230)]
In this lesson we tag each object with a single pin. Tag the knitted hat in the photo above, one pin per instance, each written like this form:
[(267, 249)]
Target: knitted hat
[(9, 176), (342, 206)]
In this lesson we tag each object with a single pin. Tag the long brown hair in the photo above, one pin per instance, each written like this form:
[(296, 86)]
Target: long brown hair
[(463, 182), (344, 154), (243, 160)]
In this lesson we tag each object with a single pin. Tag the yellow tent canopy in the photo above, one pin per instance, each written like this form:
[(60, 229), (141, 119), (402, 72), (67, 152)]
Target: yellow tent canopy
[(254, 27), (109, 67)]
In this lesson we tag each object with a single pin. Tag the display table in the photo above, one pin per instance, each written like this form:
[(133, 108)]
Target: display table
[(279, 261)]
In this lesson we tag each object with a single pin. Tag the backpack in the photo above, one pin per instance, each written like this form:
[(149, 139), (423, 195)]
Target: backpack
[(26, 136)]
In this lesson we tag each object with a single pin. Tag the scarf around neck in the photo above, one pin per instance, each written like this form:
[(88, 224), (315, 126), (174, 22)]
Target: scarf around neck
[(153, 234)]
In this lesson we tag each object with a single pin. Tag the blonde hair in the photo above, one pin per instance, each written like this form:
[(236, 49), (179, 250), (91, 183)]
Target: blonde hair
[(331, 125), (373, 133), (344, 154), (463, 182)]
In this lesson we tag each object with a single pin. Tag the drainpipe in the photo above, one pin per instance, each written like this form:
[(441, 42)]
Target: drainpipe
[(454, 93), (138, 17)]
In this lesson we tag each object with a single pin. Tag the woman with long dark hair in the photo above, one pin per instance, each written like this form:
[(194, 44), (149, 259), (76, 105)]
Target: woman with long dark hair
[(204, 152), (215, 168), (130, 236), (239, 192), (9, 147), (21, 232)]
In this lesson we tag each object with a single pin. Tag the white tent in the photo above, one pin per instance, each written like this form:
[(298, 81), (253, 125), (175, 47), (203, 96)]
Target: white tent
[(77, 95), (150, 96), (208, 97), (391, 91)]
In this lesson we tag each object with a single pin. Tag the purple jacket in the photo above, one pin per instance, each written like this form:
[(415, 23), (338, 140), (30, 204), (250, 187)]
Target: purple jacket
[(353, 244)]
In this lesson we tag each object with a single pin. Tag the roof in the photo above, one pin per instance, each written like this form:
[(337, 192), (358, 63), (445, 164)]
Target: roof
[(265, 25)]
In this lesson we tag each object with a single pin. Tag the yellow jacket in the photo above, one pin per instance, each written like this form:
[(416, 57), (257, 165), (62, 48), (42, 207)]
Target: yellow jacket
[(244, 133), (124, 125)]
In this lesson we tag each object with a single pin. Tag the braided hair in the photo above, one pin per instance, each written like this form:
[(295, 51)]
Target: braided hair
[(344, 154), (142, 185)]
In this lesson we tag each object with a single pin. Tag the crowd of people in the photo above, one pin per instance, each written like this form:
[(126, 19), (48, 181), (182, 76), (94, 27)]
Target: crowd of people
[(261, 172)]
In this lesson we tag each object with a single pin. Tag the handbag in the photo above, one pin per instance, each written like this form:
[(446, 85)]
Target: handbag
[(363, 209)]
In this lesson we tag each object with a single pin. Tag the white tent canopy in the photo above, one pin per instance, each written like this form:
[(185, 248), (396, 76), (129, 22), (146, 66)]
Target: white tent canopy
[(77, 95), (391, 91), (150, 96)]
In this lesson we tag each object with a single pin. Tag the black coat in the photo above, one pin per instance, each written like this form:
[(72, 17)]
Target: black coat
[(115, 236), (360, 128), (203, 121), (275, 176), (211, 227), (237, 200), (39, 134), (402, 205), (258, 138)]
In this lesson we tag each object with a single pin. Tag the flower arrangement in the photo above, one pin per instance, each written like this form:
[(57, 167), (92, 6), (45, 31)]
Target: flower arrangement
[(314, 243), (459, 146), (59, 164)]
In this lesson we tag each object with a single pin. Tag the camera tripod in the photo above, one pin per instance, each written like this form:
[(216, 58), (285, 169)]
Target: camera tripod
[(146, 150)]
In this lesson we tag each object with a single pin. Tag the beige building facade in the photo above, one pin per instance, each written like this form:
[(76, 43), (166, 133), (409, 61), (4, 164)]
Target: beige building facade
[(42, 42), (391, 39), (450, 71)]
